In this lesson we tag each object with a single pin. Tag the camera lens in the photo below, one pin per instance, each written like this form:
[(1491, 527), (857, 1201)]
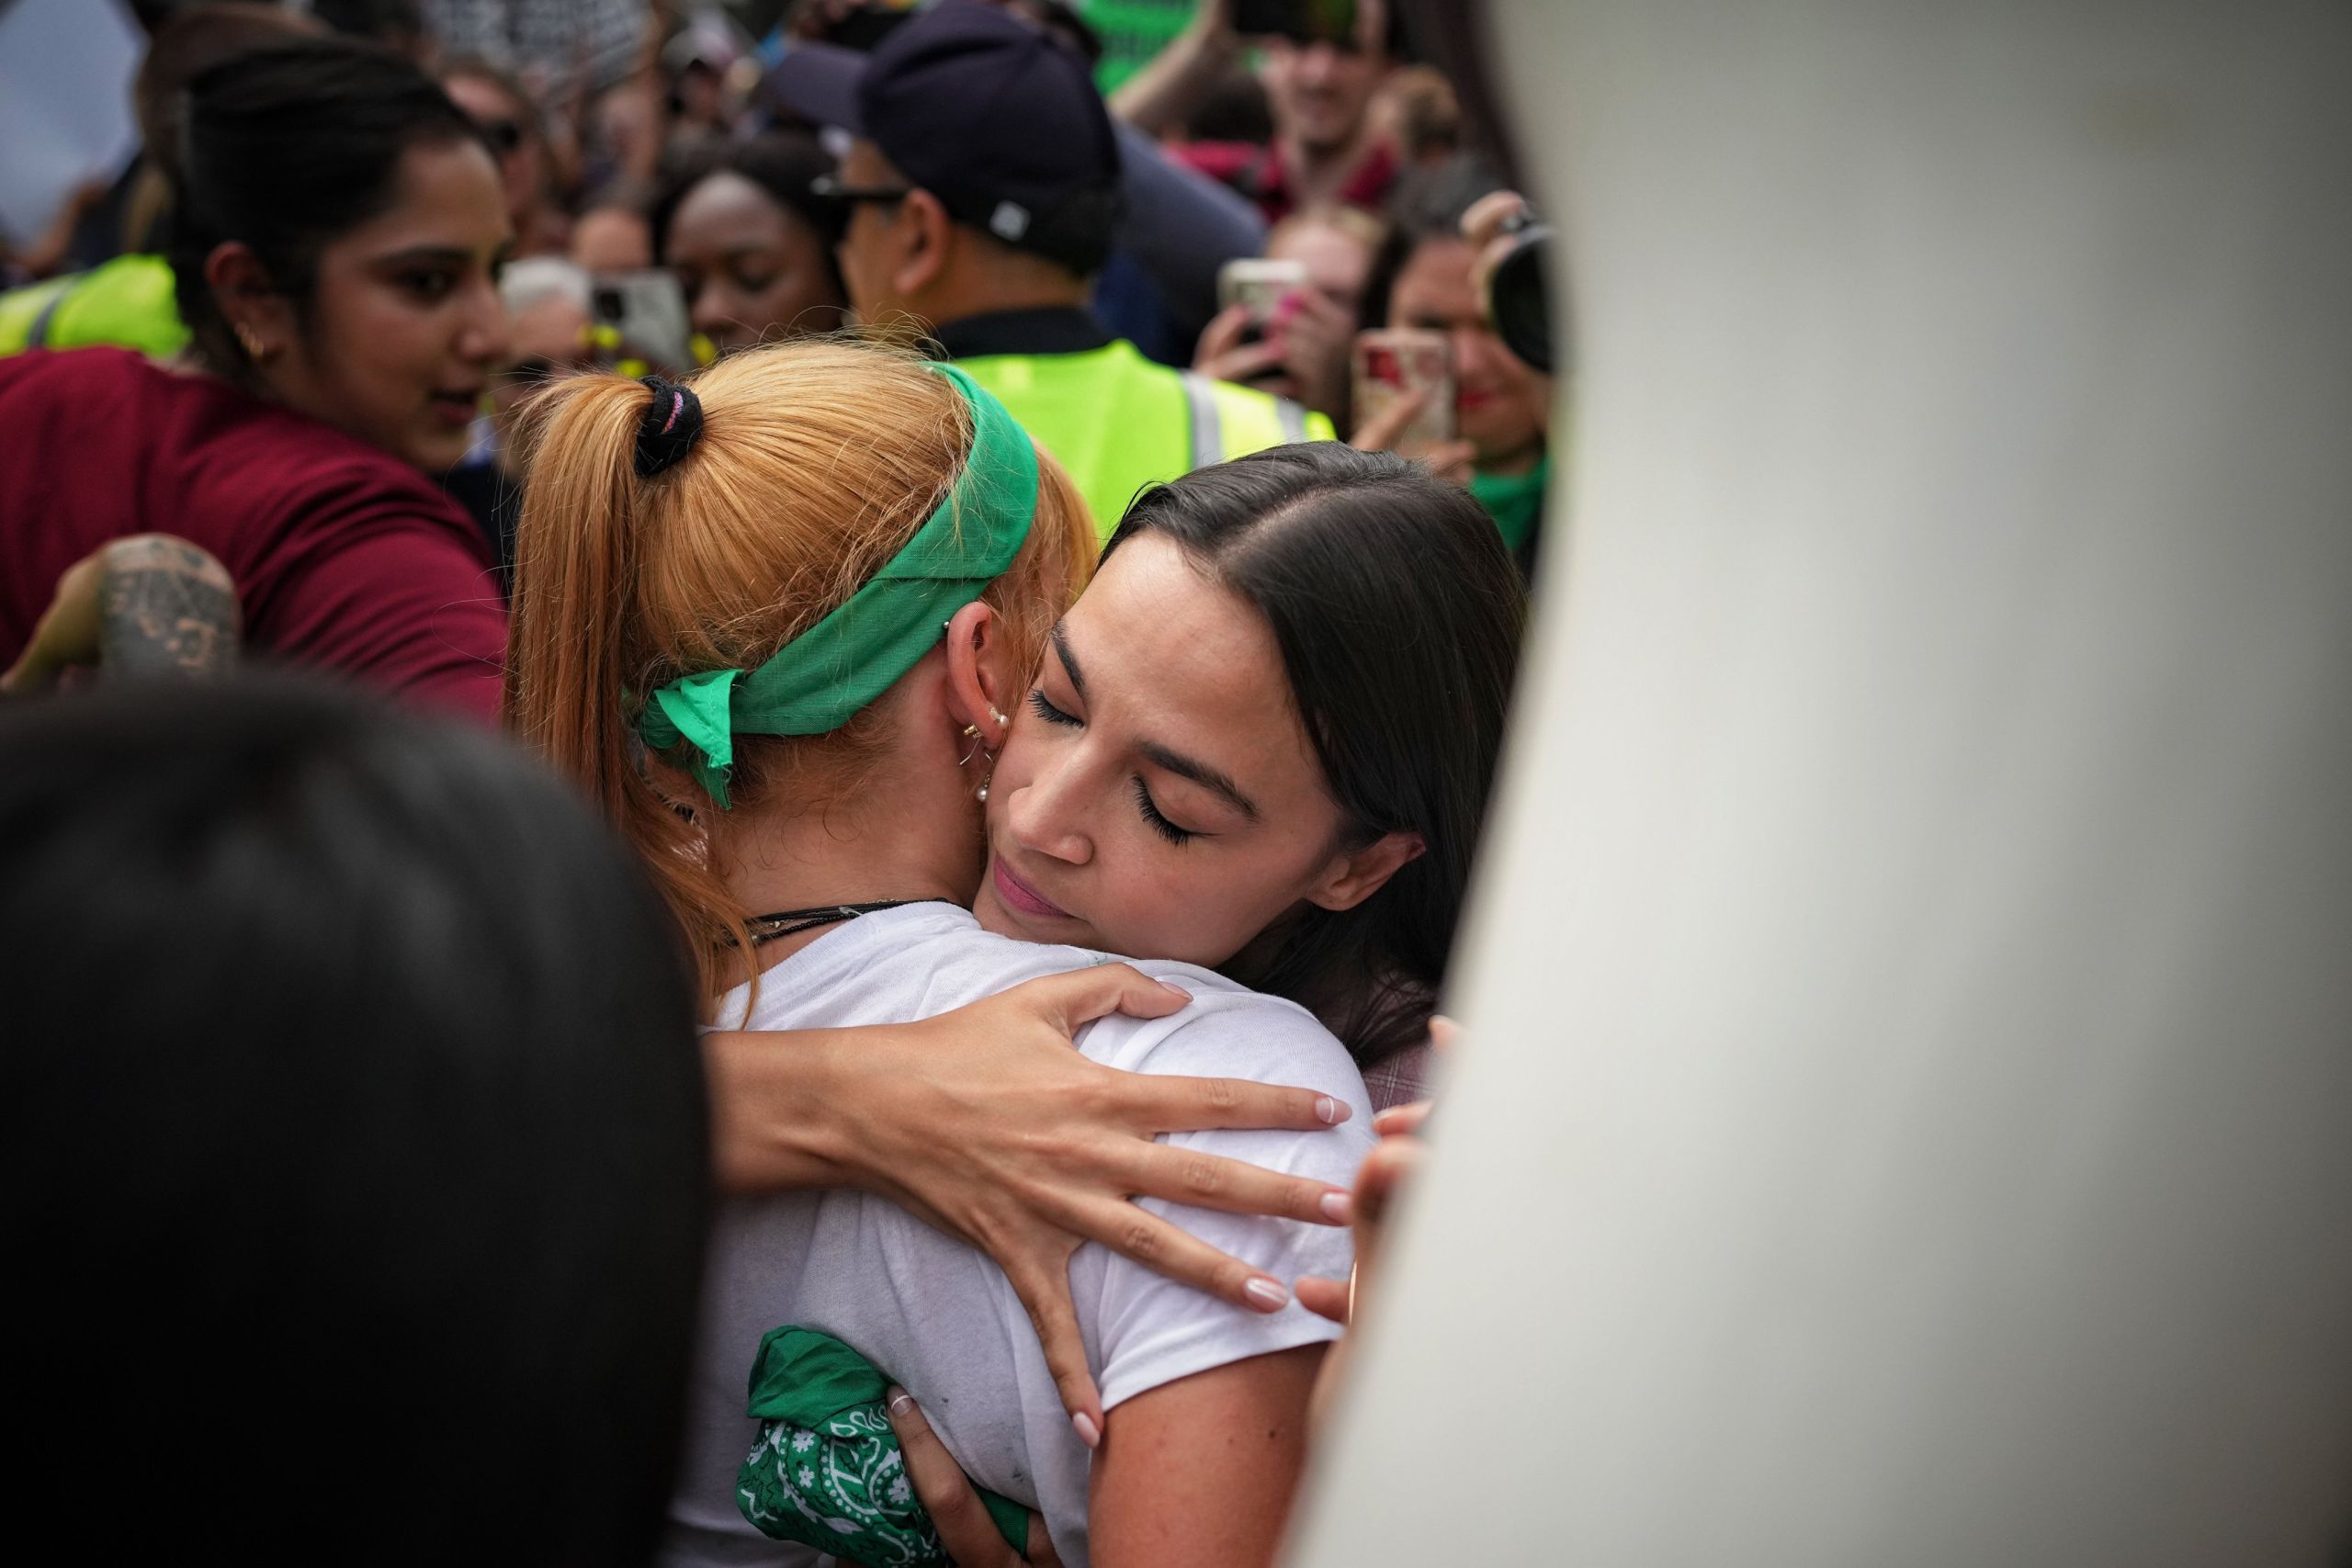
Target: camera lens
[(1519, 296)]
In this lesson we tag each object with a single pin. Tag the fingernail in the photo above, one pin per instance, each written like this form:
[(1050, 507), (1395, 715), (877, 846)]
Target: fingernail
[(899, 1400), (1087, 1432), (1266, 1295), (1176, 990), (1330, 1111), (1334, 1206)]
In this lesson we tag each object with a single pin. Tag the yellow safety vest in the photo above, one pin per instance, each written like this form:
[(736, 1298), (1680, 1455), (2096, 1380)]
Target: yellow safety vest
[(1117, 422), (127, 301)]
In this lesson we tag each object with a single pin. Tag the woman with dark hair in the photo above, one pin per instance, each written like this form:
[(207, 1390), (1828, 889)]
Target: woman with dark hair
[(1396, 626), (355, 1157), (752, 243), (335, 227)]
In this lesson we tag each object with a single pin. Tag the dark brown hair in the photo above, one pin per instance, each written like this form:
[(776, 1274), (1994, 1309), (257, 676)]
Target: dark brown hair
[(285, 149), (1399, 613)]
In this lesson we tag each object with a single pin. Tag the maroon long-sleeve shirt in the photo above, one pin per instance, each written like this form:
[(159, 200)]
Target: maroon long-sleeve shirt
[(346, 559)]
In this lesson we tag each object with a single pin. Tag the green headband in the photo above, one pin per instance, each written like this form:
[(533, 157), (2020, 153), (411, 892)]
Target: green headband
[(827, 673)]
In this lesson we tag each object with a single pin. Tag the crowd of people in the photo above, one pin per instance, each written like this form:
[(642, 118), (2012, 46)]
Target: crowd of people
[(632, 618)]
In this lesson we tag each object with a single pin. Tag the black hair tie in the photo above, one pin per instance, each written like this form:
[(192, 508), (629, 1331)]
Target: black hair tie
[(666, 431)]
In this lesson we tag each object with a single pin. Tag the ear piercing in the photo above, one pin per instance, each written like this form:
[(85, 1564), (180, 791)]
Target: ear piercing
[(250, 341), (980, 744)]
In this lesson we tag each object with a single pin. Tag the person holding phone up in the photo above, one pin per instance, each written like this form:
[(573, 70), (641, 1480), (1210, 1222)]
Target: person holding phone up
[(1323, 61), (1426, 280), (1288, 320)]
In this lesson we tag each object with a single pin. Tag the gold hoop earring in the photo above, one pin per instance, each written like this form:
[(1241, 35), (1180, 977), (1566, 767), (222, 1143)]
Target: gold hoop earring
[(971, 733)]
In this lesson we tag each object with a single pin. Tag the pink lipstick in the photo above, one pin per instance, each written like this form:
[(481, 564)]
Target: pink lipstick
[(1018, 894)]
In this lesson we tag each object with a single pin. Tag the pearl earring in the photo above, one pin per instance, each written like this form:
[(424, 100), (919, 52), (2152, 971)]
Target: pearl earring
[(983, 791)]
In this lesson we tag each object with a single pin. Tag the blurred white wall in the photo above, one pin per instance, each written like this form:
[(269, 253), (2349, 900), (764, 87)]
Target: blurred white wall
[(1909, 1112), (65, 73)]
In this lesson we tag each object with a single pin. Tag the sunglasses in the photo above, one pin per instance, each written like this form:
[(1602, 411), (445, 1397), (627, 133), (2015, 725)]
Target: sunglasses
[(506, 135), (826, 188)]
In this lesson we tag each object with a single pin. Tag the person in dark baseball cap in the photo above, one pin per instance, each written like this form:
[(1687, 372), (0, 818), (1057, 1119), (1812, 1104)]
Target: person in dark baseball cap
[(985, 112), (982, 189)]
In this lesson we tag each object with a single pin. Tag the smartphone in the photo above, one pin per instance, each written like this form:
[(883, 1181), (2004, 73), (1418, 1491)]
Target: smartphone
[(641, 318), (1259, 283), (1390, 366)]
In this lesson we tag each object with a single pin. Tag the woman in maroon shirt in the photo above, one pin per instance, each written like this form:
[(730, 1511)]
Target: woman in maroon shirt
[(337, 227)]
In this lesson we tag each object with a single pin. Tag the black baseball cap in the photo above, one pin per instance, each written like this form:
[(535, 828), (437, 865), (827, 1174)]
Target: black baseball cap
[(985, 111)]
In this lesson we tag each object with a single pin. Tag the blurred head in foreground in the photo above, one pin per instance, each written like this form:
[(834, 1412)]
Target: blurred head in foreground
[(355, 1149)]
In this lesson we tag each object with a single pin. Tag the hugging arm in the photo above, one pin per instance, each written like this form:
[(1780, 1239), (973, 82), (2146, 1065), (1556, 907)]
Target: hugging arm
[(1198, 1471), (947, 1494), (986, 1123), (1201, 1470)]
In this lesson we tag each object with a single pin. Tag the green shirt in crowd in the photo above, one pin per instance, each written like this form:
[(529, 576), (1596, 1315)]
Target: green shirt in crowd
[(1132, 31), (1514, 501)]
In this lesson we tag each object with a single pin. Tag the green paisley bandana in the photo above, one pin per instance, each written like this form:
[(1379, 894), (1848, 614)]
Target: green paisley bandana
[(827, 1471)]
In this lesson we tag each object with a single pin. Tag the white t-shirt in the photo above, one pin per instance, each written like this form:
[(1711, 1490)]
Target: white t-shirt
[(937, 1316)]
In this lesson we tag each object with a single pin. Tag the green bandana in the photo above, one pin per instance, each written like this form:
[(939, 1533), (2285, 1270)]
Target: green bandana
[(827, 1471), (820, 678)]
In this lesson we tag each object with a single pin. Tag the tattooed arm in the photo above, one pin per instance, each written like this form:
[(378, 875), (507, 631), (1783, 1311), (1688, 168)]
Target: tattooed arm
[(146, 605), (167, 608)]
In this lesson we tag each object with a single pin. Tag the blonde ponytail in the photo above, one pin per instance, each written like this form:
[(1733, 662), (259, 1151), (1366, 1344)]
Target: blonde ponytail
[(575, 557), (817, 462)]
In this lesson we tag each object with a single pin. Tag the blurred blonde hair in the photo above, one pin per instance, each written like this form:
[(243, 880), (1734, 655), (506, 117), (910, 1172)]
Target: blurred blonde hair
[(1364, 228), (817, 462)]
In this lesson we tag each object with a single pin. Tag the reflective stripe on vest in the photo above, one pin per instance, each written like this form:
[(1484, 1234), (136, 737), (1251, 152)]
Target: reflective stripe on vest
[(1208, 427), (37, 337), (1292, 417), (1250, 421), (1203, 397), (26, 311)]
